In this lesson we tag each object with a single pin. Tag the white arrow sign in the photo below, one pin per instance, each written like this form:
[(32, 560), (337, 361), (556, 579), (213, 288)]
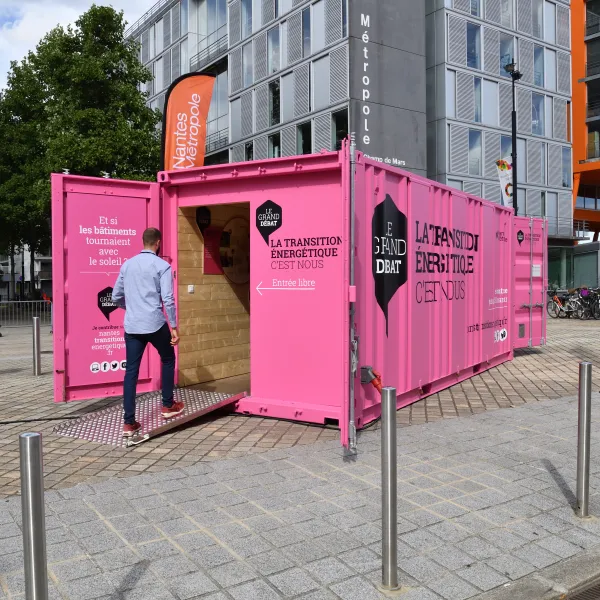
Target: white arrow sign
[(260, 290)]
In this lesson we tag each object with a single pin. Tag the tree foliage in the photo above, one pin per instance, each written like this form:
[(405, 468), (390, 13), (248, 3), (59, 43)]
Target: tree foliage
[(73, 103)]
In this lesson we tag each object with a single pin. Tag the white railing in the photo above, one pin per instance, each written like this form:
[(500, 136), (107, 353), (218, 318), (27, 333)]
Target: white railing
[(21, 313)]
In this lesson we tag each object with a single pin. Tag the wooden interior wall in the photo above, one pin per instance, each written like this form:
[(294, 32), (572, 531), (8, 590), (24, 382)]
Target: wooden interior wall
[(214, 321)]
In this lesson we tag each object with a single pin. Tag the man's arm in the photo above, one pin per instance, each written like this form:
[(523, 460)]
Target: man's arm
[(168, 299), (118, 295)]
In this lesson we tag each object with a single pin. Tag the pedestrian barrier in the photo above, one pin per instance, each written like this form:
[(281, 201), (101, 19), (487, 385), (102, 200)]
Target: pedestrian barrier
[(34, 520), (583, 439), (37, 347), (20, 313)]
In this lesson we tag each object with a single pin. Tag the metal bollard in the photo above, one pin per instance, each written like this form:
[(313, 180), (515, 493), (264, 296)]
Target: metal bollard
[(389, 492), (37, 348), (583, 438), (34, 520)]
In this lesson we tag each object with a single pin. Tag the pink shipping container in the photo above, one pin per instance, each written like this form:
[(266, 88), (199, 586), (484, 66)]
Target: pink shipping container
[(322, 270)]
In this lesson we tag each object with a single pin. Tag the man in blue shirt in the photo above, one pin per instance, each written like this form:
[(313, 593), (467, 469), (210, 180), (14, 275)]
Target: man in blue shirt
[(144, 286)]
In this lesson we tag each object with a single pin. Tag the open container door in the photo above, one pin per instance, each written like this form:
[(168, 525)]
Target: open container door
[(530, 256), (96, 226)]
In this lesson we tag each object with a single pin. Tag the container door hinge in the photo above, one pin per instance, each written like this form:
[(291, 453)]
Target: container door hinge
[(354, 355)]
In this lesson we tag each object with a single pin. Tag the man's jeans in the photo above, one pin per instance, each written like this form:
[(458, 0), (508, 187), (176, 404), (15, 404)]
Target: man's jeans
[(135, 344)]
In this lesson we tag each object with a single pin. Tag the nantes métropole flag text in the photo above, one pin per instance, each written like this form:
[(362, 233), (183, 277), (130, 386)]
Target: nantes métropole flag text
[(184, 122)]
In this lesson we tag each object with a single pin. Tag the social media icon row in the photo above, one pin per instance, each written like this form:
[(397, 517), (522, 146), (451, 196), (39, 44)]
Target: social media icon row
[(105, 367)]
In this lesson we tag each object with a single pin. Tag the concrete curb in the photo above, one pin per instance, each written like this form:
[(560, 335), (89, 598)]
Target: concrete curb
[(556, 582)]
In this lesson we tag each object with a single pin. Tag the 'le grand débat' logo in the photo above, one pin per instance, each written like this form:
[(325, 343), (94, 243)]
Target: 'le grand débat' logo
[(389, 264), (105, 303), (268, 219)]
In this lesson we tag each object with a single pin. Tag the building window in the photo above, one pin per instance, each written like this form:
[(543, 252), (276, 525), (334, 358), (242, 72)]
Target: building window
[(306, 32), (543, 206), (212, 22), (184, 16), (159, 36), (185, 63), (507, 51), (537, 114), (550, 22), (489, 103), (320, 83), (550, 69), (273, 51), (344, 18), (566, 167), (249, 151), (158, 75), (457, 184), (473, 46), (451, 94), (247, 65), (537, 14), (287, 93), (477, 93), (538, 66), (217, 121), (340, 128), (593, 139), (521, 161), (474, 152), (274, 103), (152, 39), (476, 8), (506, 13), (246, 18), (549, 117), (304, 138), (275, 145), (505, 147)]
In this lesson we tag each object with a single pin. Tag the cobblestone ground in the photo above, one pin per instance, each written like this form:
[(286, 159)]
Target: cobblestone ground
[(26, 404), (482, 503)]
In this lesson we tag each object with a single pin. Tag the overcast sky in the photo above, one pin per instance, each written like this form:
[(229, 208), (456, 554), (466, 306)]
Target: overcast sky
[(24, 22)]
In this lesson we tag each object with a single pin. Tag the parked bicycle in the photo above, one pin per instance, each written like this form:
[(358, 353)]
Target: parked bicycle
[(579, 303)]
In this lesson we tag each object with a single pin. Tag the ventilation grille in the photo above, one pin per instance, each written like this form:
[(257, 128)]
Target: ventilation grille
[(534, 203), (505, 106), (237, 153), (491, 147), (246, 109), (493, 11), (465, 97), (472, 187), (554, 165), (322, 133), (167, 69), (260, 56), (491, 50), (261, 148), (565, 214), (167, 30), (333, 21), (562, 27), (534, 163), (235, 22), (294, 38), (560, 119), (262, 108), (526, 60), (175, 24), (459, 149), (338, 83), (563, 68), (176, 61), (302, 91), (235, 70), (457, 41), (464, 5), (288, 141), (268, 11), (524, 14), (145, 46), (523, 111)]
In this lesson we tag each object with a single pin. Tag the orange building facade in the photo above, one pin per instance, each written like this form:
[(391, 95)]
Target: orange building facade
[(585, 53)]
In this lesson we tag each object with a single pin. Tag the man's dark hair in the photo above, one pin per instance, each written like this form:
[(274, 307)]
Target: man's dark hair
[(151, 236)]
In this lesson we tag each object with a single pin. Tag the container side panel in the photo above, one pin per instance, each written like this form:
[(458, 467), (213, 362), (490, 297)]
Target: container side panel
[(96, 228), (433, 272)]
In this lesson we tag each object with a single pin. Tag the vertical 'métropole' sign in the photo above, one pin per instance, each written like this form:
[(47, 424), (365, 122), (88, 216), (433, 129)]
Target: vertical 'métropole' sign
[(184, 122)]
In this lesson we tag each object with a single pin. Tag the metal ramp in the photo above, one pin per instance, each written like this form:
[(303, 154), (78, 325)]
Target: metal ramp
[(106, 426)]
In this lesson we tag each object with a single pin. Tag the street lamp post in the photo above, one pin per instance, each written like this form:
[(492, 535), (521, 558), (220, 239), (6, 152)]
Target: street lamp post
[(515, 76)]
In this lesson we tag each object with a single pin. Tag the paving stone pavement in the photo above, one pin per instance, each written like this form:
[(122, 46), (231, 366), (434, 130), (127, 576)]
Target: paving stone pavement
[(483, 502), (536, 374)]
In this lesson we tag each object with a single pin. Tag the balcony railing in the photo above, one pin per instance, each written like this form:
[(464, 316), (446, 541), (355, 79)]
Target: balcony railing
[(593, 109), (212, 52), (592, 24), (559, 227), (145, 17), (216, 141)]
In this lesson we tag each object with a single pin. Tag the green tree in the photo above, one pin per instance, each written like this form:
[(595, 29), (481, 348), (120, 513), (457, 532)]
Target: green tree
[(74, 103)]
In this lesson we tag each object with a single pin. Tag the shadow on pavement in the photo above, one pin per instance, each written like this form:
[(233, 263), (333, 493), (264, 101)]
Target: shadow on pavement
[(560, 481)]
